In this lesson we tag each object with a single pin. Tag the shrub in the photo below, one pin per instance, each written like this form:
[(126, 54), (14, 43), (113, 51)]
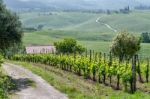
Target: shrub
[(69, 45), (125, 45)]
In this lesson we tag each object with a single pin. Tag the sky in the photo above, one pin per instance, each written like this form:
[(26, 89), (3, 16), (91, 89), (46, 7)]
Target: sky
[(81, 4), (140, 1), (84, 0)]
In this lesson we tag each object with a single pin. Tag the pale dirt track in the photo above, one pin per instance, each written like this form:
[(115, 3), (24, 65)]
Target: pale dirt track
[(107, 25), (42, 89)]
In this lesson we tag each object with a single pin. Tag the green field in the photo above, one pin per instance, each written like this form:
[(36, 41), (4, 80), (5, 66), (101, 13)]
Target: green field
[(48, 37), (84, 28)]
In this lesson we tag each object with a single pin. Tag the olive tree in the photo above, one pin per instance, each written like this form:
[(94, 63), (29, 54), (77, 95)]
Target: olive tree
[(10, 28), (125, 45)]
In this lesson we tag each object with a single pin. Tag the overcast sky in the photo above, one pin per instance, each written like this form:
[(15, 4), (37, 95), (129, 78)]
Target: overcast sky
[(81, 4), (83, 0), (140, 1)]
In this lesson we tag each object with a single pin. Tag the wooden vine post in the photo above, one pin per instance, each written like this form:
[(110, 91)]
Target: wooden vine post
[(100, 57), (110, 64), (96, 57), (86, 53), (104, 74), (87, 69), (133, 82), (90, 55), (74, 55), (93, 54), (94, 68), (147, 71), (61, 63), (99, 75), (79, 68), (139, 70), (118, 78)]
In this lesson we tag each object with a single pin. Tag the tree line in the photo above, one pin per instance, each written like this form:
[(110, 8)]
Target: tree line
[(145, 37)]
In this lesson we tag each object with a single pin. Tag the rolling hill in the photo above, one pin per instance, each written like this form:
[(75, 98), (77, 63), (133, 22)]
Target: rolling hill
[(135, 22), (84, 28)]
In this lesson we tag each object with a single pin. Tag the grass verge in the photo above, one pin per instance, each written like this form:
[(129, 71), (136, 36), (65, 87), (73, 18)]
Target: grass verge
[(6, 85)]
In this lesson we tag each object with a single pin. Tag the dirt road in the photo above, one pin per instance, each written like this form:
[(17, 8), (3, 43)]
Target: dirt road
[(41, 90), (107, 25)]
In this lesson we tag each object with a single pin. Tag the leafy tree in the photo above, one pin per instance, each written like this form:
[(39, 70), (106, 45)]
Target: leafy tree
[(16, 49), (125, 45), (40, 27), (80, 49), (145, 37), (10, 28), (68, 46)]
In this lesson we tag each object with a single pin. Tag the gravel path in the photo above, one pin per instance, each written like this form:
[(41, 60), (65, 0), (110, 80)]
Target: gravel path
[(42, 89)]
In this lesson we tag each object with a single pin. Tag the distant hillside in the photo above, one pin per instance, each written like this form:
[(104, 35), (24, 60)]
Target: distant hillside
[(72, 4)]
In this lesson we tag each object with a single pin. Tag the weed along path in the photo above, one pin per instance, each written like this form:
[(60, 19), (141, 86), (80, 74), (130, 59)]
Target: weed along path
[(29, 85)]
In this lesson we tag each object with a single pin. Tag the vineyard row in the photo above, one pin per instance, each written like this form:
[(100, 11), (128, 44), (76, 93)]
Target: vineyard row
[(97, 67)]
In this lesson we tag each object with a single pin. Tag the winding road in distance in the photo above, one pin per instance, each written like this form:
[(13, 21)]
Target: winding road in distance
[(107, 25)]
